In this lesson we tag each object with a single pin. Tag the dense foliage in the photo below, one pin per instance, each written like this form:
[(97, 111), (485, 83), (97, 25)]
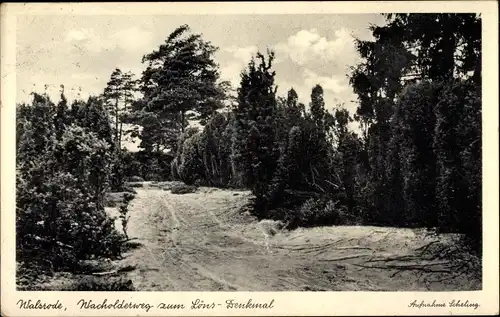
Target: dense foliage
[(420, 109), (63, 168)]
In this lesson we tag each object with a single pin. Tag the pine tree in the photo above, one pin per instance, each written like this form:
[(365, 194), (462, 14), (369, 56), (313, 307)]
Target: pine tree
[(215, 152), (348, 147), (318, 146), (457, 144), (254, 151), (118, 97), (181, 78), (417, 121), (449, 44), (62, 115), (317, 106)]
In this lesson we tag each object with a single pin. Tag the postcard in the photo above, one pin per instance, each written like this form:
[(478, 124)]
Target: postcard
[(249, 158)]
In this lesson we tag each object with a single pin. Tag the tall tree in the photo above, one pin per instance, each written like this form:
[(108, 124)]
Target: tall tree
[(317, 106), (416, 122), (320, 122), (444, 45), (255, 151), (294, 109), (457, 144), (62, 115), (413, 47), (181, 78), (348, 148), (119, 96)]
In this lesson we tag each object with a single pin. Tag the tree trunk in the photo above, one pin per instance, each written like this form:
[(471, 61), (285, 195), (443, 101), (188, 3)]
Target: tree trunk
[(120, 137), (117, 143), (182, 120), (121, 126)]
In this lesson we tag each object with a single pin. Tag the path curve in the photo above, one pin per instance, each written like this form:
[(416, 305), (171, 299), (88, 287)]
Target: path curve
[(202, 242)]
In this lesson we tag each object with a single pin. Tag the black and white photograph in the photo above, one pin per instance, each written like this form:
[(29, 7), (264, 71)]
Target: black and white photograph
[(250, 153)]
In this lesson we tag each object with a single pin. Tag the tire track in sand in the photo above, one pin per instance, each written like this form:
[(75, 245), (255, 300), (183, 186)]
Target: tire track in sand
[(141, 222), (182, 235)]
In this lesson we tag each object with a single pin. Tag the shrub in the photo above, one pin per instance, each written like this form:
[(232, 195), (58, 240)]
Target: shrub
[(136, 178), (113, 199), (319, 212), (123, 209), (61, 185), (146, 166), (457, 144), (203, 158), (183, 189), (190, 164), (214, 150), (116, 175)]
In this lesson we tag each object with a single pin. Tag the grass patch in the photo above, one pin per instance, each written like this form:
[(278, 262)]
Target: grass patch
[(183, 189), (30, 277), (113, 199), (82, 283), (131, 245), (100, 284)]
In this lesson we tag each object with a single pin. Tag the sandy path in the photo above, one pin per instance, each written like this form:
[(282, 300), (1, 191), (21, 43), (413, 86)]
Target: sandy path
[(200, 242)]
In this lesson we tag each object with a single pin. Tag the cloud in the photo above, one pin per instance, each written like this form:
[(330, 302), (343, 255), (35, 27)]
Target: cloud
[(242, 54), (77, 85), (133, 39), (309, 48), (332, 83), (231, 72), (78, 35), (86, 40)]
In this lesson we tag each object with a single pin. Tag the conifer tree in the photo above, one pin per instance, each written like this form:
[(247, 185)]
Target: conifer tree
[(319, 141), (294, 109), (118, 97), (180, 83), (457, 144), (317, 106), (255, 151), (417, 120), (348, 147), (62, 115)]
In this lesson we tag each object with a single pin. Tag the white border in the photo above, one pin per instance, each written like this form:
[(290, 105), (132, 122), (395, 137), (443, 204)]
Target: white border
[(286, 303)]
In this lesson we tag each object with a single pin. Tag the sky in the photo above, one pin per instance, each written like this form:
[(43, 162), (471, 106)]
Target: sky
[(82, 51)]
